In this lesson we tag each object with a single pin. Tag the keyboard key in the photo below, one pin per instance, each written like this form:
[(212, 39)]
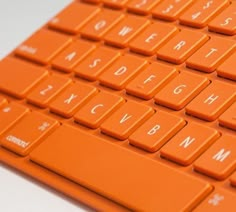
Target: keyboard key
[(19, 77), (142, 7), (154, 133), (211, 55), (202, 12), (181, 90), (116, 4), (100, 24), (11, 114), (120, 72), (228, 118), (233, 179), (219, 200), (97, 109), (73, 17), (189, 143), (122, 123), (225, 23), (219, 160), (68, 159), (125, 30), (151, 80), (43, 46), (213, 101), (96, 62), (182, 46), (73, 97), (47, 90), (152, 38), (20, 140), (170, 10), (227, 69), (73, 54)]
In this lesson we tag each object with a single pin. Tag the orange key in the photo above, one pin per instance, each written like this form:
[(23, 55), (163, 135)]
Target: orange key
[(43, 46), (19, 77), (73, 17), (202, 12), (189, 143), (124, 31), (181, 90), (3, 101), (183, 45), (152, 79), (96, 62), (225, 22), (73, 97), (121, 71), (228, 118), (122, 123), (218, 201), (152, 38), (142, 6), (170, 10), (11, 114), (100, 24), (212, 54), (140, 179), (67, 59), (219, 161), (227, 69), (48, 89), (115, 3), (154, 133), (213, 101), (97, 109), (20, 140)]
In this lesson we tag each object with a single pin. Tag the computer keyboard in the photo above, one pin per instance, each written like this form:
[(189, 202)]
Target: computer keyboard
[(127, 105)]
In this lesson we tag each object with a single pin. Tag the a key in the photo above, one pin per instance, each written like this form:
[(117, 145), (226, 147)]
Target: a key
[(123, 122), (219, 161), (72, 55), (181, 90), (189, 143), (212, 101), (43, 46), (73, 17), (156, 131), (134, 177), (27, 133), (116, 4), (19, 77), (11, 114), (142, 7), (181, 46)]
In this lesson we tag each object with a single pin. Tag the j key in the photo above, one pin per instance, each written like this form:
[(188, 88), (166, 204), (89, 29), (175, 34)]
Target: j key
[(20, 140), (19, 77), (85, 154), (228, 118)]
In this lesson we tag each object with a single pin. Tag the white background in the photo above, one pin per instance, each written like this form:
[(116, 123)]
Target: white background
[(18, 19)]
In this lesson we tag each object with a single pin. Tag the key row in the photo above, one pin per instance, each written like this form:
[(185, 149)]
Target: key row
[(165, 84), (211, 153), (217, 14), (89, 60)]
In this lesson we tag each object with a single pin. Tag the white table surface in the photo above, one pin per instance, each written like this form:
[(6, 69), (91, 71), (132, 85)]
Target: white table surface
[(18, 19)]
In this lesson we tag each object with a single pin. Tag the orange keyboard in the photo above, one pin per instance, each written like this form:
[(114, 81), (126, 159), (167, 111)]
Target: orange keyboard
[(127, 105)]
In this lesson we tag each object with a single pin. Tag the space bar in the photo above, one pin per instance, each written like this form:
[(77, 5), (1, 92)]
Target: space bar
[(130, 179)]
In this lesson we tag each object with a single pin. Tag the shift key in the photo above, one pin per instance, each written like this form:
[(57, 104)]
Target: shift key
[(127, 178)]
